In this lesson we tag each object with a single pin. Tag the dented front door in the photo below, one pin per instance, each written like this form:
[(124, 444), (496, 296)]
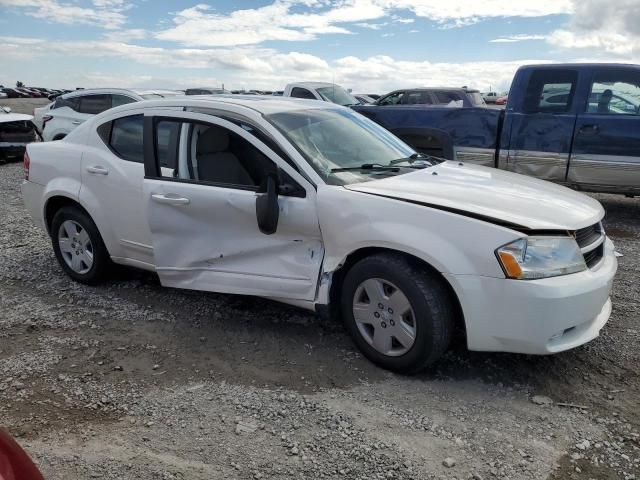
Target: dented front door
[(206, 237)]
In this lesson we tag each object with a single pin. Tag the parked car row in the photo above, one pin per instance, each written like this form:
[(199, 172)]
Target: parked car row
[(30, 92)]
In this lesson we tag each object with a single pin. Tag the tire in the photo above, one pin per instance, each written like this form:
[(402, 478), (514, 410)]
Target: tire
[(94, 261), (429, 320)]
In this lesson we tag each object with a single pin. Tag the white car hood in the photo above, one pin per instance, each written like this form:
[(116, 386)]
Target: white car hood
[(14, 117), (495, 195)]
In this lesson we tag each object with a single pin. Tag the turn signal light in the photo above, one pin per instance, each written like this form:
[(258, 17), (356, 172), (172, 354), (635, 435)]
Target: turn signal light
[(510, 264)]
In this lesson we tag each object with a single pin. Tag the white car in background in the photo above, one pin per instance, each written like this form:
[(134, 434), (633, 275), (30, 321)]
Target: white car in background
[(327, 92), (60, 117), (312, 204)]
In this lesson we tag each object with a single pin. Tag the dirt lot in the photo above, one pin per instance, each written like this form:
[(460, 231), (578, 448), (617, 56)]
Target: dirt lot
[(131, 380)]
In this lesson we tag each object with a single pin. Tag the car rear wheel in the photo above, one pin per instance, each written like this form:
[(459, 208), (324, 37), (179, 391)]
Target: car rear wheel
[(399, 314), (78, 246)]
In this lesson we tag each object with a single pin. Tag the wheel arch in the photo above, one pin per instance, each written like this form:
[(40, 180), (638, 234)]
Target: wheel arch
[(337, 278), (55, 203)]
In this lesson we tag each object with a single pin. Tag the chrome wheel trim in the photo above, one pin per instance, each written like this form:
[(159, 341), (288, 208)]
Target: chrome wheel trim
[(384, 317), (75, 246)]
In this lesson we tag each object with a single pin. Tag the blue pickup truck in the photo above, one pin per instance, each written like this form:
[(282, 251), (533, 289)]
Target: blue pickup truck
[(575, 124)]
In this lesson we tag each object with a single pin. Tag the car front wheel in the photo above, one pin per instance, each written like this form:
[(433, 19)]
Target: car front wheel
[(399, 313)]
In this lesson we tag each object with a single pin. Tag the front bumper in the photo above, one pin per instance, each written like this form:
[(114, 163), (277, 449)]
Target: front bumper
[(537, 316)]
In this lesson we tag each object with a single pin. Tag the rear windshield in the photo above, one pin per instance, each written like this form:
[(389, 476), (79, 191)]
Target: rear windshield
[(19, 129)]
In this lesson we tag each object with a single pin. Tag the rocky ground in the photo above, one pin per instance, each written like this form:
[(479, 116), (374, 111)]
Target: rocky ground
[(132, 380)]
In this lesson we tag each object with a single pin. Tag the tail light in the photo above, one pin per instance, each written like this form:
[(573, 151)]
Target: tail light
[(45, 119), (27, 165)]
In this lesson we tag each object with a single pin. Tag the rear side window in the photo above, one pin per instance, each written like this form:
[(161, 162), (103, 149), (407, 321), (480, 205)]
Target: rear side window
[(124, 137), (298, 92), (94, 104), (73, 103), (550, 91)]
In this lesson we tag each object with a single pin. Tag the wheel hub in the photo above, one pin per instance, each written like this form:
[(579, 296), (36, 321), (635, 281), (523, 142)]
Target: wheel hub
[(75, 246), (384, 317)]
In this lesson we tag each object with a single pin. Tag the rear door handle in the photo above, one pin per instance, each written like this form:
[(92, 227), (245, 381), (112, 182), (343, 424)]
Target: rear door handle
[(590, 129), (98, 170), (76, 122), (170, 199)]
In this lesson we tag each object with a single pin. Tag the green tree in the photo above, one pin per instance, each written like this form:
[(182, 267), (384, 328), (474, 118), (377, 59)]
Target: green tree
[(19, 84)]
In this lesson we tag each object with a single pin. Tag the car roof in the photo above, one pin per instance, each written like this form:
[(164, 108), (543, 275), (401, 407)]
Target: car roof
[(314, 84), (264, 104), (125, 91)]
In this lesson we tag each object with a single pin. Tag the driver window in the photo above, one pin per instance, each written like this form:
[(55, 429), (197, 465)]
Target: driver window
[(207, 153), (615, 94)]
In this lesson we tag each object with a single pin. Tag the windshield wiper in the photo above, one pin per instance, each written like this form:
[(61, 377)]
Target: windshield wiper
[(367, 167), (415, 157)]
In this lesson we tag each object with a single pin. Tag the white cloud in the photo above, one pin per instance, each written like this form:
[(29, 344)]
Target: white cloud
[(105, 13), (125, 35), (517, 38), (602, 28), (251, 67), (203, 26)]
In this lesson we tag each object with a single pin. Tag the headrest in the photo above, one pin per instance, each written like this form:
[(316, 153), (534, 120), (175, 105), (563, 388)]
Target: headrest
[(212, 140)]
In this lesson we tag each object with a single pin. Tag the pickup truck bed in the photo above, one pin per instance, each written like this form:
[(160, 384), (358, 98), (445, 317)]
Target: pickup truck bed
[(574, 124)]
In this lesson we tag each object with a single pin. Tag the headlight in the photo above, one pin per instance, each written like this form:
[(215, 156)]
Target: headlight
[(540, 257)]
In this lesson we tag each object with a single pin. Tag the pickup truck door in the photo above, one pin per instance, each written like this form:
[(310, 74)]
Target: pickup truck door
[(606, 144), (541, 126), (202, 214)]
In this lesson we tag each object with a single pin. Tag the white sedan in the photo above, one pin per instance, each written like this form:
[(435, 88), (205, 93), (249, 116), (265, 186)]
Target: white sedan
[(312, 204)]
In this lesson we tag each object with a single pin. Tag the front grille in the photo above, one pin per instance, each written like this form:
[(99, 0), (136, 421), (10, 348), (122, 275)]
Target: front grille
[(586, 236), (594, 256)]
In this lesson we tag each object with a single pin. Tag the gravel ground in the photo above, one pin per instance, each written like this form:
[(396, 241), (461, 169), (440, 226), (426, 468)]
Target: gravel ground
[(131, 380)]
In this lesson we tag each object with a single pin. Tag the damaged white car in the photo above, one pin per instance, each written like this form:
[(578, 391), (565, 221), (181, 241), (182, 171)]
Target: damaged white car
[(16, 131), (314, 205)]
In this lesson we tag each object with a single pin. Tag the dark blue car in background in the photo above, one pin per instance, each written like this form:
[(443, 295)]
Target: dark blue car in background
[(575, 124)]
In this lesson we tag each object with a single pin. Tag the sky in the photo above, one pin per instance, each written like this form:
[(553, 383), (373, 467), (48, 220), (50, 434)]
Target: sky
[(369, 46)]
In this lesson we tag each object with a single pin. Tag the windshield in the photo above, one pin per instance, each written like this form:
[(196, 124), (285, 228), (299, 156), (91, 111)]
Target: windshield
[(336, 94), (340, 138)]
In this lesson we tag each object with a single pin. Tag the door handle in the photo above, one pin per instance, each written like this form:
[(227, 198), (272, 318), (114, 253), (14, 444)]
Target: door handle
[(170, 199), (590, 129), (76, 122), (98, 170)]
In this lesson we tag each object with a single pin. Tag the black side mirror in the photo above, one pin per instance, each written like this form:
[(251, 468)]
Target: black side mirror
[(267, 208)]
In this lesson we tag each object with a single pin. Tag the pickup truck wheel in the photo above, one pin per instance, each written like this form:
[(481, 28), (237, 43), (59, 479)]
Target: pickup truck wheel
[(78, 246), (399, 315)]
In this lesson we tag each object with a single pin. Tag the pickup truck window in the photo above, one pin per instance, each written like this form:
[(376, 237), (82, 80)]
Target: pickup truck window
[(615, 93), (298, 92), (394, 98), (418, 98), (550, 91), (330, 139)]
